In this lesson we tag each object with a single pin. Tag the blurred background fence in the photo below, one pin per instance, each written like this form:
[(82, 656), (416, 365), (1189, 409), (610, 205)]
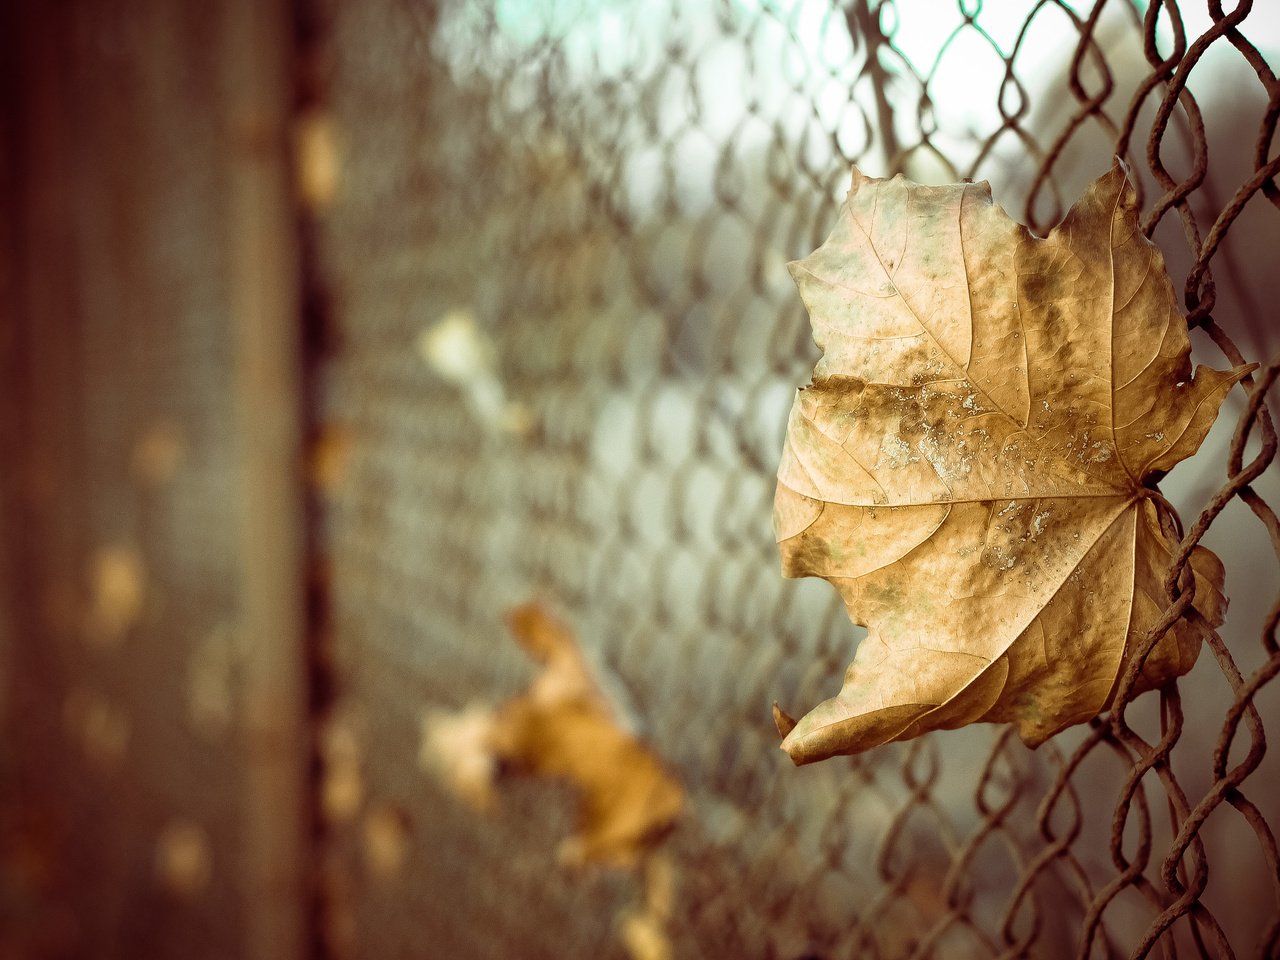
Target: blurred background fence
[(341, 328)]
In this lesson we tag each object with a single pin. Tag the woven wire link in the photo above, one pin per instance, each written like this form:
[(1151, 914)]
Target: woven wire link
[(609, 192)]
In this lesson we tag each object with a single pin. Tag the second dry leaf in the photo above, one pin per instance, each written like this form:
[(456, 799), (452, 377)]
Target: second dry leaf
[(973, 466)]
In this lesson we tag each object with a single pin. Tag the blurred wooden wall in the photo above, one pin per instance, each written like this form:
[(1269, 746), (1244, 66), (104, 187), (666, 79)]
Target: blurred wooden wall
[(155, 744)]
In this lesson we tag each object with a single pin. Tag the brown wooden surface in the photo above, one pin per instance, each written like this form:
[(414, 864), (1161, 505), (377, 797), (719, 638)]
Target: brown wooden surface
[(158, 772)]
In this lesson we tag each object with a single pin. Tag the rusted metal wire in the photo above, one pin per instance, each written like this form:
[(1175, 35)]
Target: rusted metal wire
[(607, 195)]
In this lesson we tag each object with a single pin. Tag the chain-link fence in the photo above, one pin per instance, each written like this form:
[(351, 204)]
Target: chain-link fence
[(601, 198), (549, 343)]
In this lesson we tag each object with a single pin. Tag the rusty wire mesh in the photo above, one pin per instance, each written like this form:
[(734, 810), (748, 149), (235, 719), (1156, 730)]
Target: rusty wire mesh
[(605, 194)]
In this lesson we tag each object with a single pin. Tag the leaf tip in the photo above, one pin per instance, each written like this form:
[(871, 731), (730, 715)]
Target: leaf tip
[(537, 630), (782, 720), (1120, 179)]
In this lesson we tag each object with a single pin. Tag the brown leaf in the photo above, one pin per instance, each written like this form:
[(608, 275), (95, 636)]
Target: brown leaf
[(118, 591), (317, 159), (387, 840), (329, 458), (184, 858), (342, 790), (457, 746), (564, 727), (973, 466)]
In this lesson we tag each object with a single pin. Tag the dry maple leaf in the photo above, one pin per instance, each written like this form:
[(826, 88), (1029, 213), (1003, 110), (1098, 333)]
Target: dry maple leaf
[(456, 745), (973, 465), (564, 727)]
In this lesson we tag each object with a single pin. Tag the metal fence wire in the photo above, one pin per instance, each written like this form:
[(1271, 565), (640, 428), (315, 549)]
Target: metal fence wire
[(555, 346)]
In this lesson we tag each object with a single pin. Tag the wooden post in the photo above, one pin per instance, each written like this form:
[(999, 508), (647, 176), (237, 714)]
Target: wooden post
[(265, 319)]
